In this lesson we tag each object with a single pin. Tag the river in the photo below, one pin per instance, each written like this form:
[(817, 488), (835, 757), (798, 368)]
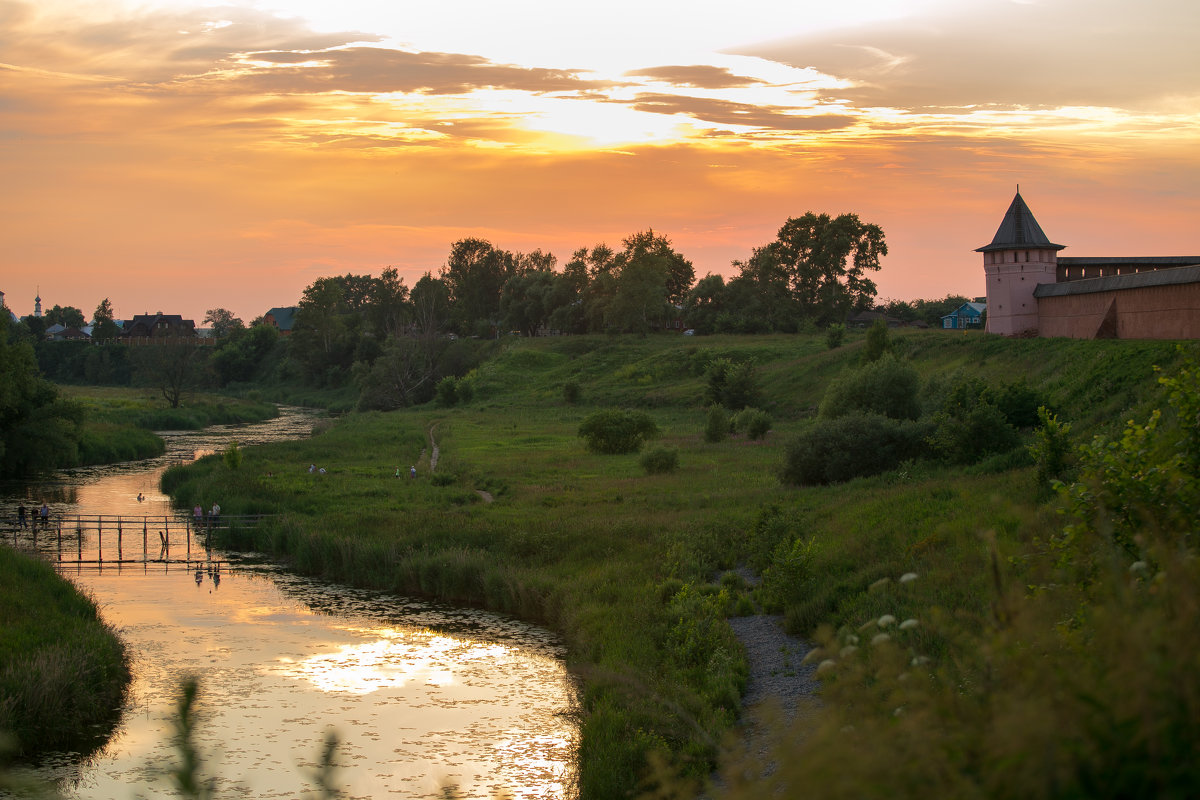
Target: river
[(422, 697)]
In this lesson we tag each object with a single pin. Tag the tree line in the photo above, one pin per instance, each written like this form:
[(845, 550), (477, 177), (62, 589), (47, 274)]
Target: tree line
[(395, 343)]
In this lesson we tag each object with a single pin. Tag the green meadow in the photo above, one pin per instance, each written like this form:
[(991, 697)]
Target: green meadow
[(950, 602)]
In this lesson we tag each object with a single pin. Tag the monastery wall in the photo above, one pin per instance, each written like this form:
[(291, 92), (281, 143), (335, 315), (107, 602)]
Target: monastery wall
[(1151, 312)]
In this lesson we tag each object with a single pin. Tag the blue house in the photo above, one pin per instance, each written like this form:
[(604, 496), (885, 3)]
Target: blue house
[(968, 315)]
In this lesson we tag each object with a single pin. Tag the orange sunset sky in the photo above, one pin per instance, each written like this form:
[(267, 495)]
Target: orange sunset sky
[(178, 156)]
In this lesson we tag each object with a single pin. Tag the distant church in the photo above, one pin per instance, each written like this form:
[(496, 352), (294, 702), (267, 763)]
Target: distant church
[(1032, 291)]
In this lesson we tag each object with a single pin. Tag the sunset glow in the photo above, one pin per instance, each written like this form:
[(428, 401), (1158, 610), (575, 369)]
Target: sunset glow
[(177, 156)]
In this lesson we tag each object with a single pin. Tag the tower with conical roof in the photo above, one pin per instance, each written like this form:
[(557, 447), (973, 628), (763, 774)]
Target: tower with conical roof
[(1018, 259), (37, 303)]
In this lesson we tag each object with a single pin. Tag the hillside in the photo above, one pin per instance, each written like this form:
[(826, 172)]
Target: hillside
[(627, 565)]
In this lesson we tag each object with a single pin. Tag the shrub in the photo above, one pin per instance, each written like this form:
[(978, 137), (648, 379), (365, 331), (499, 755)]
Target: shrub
[(734, 386), (1050, 450), (886, 386), (716, 427), (968, 436), (465, 389), (447, 391), (232, 456), (571, 392), (835, 335), (752, 422), (617, 431), (878, 342), (660, 460), (849, 447)]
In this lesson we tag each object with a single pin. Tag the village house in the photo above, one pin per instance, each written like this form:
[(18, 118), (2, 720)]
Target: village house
[(157, 326), (281, 319), (1032, 291)]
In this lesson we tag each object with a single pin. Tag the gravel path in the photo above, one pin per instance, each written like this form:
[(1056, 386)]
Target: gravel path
[(780, 689)]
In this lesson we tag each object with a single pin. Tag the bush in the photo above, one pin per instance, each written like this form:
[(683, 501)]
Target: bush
[(752, 422), (465, 390), (878, 342), (571, 392), (835, 335), (660, 460), (886, 386), (232, 456), (850, 447), (716, 427), (447, 392), (617, 431), (734, 386)]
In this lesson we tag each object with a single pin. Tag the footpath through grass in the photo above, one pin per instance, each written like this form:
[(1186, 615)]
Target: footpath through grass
[(627, 566)]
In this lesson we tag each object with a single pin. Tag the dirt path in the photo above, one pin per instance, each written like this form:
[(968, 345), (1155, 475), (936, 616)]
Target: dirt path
[(433, 448)]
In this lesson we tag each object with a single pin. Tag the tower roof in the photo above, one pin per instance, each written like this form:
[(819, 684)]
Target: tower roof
[(1019, 230)]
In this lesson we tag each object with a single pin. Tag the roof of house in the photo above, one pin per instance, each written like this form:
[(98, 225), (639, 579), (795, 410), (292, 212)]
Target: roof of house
[(284, 317), (1018, 230), (1158, 277), (978, 308)]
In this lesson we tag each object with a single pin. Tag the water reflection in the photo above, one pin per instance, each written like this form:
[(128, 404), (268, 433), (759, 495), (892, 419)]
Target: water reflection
[(420, 695)]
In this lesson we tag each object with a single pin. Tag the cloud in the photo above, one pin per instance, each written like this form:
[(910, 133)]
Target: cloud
[(726, 112), (376, 70), (699, 76), (1106, 53)]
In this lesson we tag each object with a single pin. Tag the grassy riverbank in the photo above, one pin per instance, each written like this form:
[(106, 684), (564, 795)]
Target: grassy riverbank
[(118, 424), (63, 670), (626, 564)]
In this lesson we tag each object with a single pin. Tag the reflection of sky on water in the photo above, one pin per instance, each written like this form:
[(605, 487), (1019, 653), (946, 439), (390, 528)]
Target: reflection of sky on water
[(421, 696)]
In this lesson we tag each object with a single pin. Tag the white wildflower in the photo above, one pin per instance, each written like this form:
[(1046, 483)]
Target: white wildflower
[(880, 638), (908, 577), (899, 710), (1138, 567), (909, 624), (879, 584), (848, 651), (920, 661), (885, 620), (826, 665)]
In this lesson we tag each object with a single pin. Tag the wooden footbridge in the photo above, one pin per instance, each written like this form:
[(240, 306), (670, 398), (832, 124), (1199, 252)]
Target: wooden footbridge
[(102, 540)]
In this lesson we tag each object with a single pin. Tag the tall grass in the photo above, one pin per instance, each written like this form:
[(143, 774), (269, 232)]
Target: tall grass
[(63, 670)]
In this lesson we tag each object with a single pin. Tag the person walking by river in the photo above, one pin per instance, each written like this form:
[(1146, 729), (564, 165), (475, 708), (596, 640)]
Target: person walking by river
[(214, 514), (45, 514), (21, 514)]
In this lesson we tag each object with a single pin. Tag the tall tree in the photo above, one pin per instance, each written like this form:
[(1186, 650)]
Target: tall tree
[(223, 322), (475, 273), (39, 430), (647, 250), (67, 316), (174, 366), (104, 328), (827, 259)]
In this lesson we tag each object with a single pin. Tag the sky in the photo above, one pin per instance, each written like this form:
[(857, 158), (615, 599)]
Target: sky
[(178, 157)]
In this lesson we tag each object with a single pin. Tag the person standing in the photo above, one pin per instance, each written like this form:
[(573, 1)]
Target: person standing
[(21, 513), (45, 513), (214, 513)]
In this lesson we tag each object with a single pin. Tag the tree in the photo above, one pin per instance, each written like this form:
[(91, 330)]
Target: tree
[(39, 430), (223, 322), (240, 359), (615, 430), (826, 260), (526, 301), (67, 316), (173, 366), (390, 308), (475, 274), (704, 304), (325, 333), (103, 327), (655, 252)]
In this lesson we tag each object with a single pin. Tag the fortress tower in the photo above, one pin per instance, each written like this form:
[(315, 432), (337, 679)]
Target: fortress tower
[(1018, 259)]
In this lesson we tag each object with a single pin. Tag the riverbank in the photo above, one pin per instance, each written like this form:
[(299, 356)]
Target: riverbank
[(63, 670), (914, 566)]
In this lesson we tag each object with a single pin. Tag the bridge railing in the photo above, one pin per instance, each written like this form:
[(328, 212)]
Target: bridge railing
[(110, 538)]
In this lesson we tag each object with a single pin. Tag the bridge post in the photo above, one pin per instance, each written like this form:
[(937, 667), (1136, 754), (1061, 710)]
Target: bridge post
[(100, 538), (120, 552), (144, 532)]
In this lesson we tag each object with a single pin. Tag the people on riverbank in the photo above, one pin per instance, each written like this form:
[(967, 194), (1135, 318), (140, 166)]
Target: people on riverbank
[(23, 524), (44, 513)]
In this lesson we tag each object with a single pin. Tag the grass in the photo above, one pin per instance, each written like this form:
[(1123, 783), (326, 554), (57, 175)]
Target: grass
[(622, 563), (63, 670)]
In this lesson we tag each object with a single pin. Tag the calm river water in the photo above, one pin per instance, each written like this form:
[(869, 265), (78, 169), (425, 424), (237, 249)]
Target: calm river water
[(422, 697)]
